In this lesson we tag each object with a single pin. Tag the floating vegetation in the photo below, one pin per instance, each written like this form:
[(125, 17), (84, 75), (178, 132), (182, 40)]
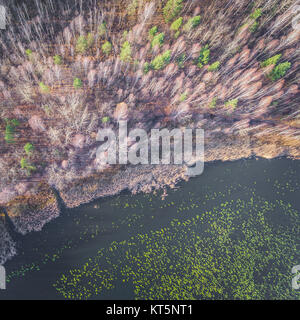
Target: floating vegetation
[(231, 252)]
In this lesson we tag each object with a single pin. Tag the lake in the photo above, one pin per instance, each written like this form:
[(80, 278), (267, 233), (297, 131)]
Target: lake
[(231, 233)]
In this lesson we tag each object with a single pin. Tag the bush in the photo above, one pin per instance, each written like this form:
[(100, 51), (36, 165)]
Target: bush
[(176, 24), (158, 40), (81, 45), (280, 71), (77, 83), (57, 59), (161, 60), (192, 23), (44, 88), (203, 57), (106, 47), (29, 148), (172, 9), (272, 60), (215, 66), (125, 54), (153, 31)]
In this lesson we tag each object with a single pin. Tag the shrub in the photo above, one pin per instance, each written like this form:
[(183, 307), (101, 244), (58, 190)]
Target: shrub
[(153, 31), (77, 83), (29, 148), (102, 29), (57, 59), (125, 54), (192, 23), (81, 45), (256, 14), (161, 60), (176, 24), (272, 60), (215, 66), (172, 9), (203, 57), (158, 40), (280, 71), (106, 47), (44, 88)]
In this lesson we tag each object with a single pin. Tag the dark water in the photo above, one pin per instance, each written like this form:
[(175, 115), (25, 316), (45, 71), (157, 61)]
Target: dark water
[(78, 234)]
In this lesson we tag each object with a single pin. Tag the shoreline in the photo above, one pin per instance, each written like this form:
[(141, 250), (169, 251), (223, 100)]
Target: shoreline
[(31, 211)]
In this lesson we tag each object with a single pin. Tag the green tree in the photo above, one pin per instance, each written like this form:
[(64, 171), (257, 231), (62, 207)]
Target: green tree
[(176, 24), (105, 120), (158, 40), (57, 59), (172, 9), (256, 14), (272, 60), (77, 83), (232, 103), (203, 57), (125, 54), (28, 52), (27, 166), (215, 66), (254, 27), (153, 31), (9, 134), (44, 88), (90, 40), (146, 67), (192, 23), (29, 148), (161, 60), (81, 44), (180, 60), (102, 29), (106, 47), (280, 71)]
